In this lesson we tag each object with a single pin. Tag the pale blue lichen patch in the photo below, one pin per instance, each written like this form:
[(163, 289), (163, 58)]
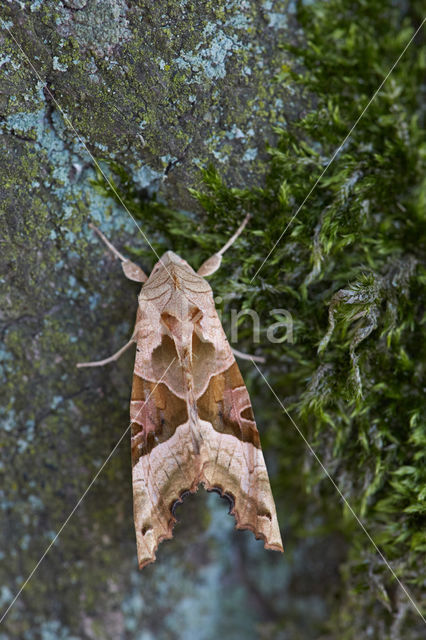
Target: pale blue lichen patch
[(235, 133), (167, 159), (209, 59), (102, 147), (35, 5), (6, 24), (23, 122), (98, 25), (64, 159), (4, 59), (161, 63), (55, 630), (277, 19), (147, 177), (8, 416), (250, 154), (5, 597), (59, 66)]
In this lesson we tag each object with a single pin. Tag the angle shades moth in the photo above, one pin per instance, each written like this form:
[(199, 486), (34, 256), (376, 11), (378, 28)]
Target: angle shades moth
[(191, 418)]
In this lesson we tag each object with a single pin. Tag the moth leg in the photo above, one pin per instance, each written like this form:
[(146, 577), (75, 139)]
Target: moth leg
[(212, 264), (115, 356), (247, 356), (131, 270)]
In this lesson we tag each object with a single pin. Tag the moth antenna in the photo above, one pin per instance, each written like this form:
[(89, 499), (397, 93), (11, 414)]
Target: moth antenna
[(212, 264), (235, 236), (108, 243), (131, 270)]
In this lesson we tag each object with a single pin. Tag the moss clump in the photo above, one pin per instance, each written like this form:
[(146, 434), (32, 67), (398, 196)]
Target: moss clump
[(349, 269)]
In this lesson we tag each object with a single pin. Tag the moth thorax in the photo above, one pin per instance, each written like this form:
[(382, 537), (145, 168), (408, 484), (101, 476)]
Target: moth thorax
[(175, 323)]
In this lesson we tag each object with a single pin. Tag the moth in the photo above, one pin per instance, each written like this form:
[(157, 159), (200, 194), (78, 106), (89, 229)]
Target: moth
[(191, 418)]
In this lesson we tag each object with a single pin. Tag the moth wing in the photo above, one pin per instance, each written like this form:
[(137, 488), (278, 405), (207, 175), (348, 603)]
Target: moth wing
[(232, 459), (164, 465)]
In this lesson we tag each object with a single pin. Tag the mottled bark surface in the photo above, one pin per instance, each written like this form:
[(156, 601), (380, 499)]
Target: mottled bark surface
[(164, 88)]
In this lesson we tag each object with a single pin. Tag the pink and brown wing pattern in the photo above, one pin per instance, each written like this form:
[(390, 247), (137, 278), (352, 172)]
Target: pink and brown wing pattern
[(232, 457), (192, 420), (163, 461)]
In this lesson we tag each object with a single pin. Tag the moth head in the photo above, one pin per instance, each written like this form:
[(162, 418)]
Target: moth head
[(170, 258), (167, 261)]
